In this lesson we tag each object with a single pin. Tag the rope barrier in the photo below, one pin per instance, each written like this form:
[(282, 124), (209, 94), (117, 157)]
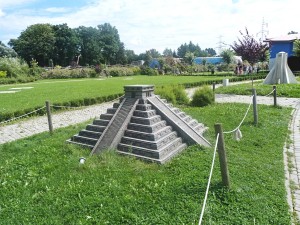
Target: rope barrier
[(269, 93), (15, 118), (228, 132), (209, 179)]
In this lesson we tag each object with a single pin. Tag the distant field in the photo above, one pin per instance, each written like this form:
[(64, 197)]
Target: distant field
[(32, 95)]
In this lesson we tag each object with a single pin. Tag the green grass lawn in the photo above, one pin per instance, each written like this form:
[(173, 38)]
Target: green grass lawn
[(41, 181), (282, 90), (64, 91)]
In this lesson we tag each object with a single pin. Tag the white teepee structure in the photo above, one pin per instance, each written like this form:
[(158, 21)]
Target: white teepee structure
[(280, 73)]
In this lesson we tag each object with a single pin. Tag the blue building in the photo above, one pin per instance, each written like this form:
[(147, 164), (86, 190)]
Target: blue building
[(281, 44)]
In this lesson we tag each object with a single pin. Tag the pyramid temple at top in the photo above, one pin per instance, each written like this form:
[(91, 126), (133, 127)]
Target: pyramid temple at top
[(142, 125)]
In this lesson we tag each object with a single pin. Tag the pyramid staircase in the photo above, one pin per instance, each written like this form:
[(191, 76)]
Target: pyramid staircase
[(142, 125)]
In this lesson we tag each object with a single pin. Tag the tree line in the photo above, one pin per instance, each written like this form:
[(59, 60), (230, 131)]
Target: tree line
[(61, 45)]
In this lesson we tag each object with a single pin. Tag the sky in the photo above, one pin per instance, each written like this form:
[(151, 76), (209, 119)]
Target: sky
[(158, 24)]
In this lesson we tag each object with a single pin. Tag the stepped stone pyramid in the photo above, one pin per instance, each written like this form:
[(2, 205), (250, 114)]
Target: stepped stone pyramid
[(142, 125)]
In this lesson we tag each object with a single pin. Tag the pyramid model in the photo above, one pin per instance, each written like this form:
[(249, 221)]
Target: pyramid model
[(142, 125)]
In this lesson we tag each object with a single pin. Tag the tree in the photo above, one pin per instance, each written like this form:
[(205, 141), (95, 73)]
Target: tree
[(66, 45), (130, 56), (112, 48), (210, 51), (189, 57), (89, 45), (153, 53), (168, 52), (6, 51), (250, 49), (227, 56), (296, 47), (36, 42)]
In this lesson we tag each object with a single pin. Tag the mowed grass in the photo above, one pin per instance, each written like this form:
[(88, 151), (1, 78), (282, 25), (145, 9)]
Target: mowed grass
[(61, 91), (41, 181), (282, 90)]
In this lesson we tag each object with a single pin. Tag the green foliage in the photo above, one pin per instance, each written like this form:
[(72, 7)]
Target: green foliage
[(174, 94), (146, 70), (42, 181), (203, 96), (37, 42), (296, 47), (14, 67), (3, 74), (59, 73), (166, 92), (6, 51), (116, 71)]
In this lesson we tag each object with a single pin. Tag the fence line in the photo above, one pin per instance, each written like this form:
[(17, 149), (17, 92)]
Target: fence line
[(228, 132), (16, 118), (209, 179), (269, 93)]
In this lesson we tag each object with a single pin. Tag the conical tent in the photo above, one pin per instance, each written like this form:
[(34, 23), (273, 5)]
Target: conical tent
[(280, 73)]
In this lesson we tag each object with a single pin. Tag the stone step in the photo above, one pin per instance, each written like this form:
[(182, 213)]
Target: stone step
[(159, 161), (144, 107), (148, 136), (96, 128), (147, 128), (150, 144), (100, 122), (106, 116), (160, 153), (81, 144), (90, 134), (145, 114), (146, 121), (111, 110), (84, 140)]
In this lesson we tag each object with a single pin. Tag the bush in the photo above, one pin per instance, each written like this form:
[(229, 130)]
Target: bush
[(59, 73), (203, 97), (14, 67), (181, 95), (146, 70), (173, 94), (167, 93), (3, 74), (117, 71)]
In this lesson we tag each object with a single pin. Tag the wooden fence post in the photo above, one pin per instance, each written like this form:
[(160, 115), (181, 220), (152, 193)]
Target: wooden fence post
[(49, 117), (275, 95), (214, 86), (222, 155), (255, 114)]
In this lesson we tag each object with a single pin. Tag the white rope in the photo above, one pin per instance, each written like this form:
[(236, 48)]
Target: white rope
[(62, 106), (209, 179), (228, 132), (269, 93), (15, 118)]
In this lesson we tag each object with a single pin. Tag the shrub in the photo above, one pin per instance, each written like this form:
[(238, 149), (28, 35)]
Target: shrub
[(117, 71), (3, 74), (146, 70), (58, 73), (14, 67), (203, 97), (180, 95), (167, 93)]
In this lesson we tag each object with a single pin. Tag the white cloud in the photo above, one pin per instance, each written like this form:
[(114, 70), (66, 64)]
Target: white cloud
[(158, 24), (57, 10)]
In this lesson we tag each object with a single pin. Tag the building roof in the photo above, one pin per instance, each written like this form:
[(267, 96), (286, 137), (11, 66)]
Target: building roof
[(285, 38)]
